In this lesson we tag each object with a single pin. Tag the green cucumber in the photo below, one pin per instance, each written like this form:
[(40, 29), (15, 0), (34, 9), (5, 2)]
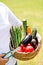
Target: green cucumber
[(34, 32), (24, 27)]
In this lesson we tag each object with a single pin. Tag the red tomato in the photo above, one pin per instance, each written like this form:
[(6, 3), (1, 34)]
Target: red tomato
[(21, 45), (23, 48), (29, 49)]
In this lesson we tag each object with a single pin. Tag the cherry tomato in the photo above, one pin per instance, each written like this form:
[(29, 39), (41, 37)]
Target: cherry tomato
[(19, 49)]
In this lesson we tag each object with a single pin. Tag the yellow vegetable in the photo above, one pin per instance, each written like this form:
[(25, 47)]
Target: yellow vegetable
[(28, 30)]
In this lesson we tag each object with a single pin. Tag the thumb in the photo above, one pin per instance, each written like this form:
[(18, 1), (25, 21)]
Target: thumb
[(4, 60), (1, 55)]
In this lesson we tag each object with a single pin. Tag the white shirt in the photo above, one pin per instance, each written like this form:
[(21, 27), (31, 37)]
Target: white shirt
[(7, 19)]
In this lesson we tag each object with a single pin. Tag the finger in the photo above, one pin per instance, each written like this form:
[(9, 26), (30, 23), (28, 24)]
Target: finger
[(1, 55), (4, 60)]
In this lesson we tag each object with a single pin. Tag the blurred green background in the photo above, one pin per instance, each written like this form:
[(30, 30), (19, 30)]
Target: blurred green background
[(32, 10)]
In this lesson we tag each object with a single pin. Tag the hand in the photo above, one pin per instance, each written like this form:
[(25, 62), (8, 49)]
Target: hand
[(3, 60)]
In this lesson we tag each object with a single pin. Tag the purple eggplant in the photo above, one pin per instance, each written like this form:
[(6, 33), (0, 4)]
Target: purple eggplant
[(26, 40)]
